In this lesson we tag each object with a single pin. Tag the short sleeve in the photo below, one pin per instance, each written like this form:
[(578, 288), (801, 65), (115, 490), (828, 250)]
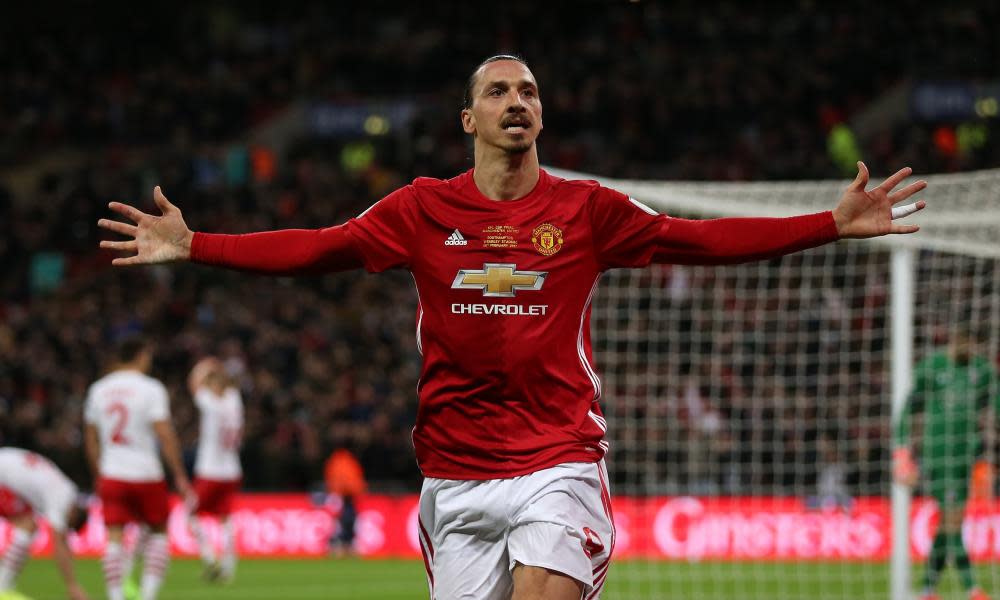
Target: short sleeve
[(383, 234), (160, 404), (89, 410), (625, 231)]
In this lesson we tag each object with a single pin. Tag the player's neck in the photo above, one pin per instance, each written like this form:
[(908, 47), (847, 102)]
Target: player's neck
[(504, 176)]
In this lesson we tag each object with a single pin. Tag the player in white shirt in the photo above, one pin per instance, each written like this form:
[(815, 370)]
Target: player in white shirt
[(217, 471), (127, 414), (32, 486)]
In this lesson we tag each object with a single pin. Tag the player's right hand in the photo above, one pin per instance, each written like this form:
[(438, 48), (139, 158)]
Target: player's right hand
[(904, 468), (202, 369), (154, 239), (186, 492)]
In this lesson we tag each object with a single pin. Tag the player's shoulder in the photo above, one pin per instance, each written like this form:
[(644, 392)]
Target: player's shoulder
[(937, 359), (589, 185), (586, 188), (143, 378), (147, 383), (9, 452), (434, 182), (424, 188)]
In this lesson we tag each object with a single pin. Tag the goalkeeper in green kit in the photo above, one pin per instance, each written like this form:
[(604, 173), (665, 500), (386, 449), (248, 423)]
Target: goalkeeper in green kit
[(952, 389)]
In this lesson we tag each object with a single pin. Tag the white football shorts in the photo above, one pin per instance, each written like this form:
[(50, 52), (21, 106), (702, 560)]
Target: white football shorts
[(473, 533)]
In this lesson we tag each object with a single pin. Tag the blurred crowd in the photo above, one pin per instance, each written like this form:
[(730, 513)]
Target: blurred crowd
[(642, 89), (630, 89)]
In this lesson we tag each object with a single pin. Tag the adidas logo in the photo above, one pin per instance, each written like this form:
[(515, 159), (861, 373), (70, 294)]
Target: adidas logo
[(456, 239)]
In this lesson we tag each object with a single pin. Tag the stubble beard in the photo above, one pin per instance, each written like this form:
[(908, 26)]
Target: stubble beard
[(517, 148)]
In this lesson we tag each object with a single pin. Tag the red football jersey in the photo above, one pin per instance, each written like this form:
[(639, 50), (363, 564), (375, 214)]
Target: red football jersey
[(508, 386)]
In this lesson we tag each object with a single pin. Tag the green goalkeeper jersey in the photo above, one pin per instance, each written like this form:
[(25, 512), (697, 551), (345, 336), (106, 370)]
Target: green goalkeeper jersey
[(951, 395)]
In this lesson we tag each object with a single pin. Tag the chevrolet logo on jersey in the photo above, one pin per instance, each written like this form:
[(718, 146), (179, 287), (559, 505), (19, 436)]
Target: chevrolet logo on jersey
[(498, 280)]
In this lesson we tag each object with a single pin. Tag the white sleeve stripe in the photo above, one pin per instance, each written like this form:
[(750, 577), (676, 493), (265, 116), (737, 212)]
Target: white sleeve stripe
[(643, 207), (367, 209), (594, 379)]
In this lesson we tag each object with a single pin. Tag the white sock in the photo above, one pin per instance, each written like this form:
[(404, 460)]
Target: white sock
[(129, 554), (113, 570), (14, 559), (205, 546), (154, 565), (228, 548)]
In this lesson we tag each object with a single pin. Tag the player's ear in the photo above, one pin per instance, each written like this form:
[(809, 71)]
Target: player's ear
[(468, 121)]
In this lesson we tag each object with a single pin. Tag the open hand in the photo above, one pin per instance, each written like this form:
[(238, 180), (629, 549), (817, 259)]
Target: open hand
[(865, 214), (154, 239)]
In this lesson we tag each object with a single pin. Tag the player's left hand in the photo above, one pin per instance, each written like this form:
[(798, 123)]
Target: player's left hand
[(904, 467), (76, 592), (865, 214)]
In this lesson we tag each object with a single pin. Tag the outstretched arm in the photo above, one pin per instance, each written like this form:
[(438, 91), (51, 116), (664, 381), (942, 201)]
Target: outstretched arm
[(166, 238), (859, 214)]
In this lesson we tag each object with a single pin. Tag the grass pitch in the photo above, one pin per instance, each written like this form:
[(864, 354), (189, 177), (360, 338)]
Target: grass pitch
[(353, 579)]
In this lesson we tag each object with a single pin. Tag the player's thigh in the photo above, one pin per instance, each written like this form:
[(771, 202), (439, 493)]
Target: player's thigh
[(466, 566), (463, 540), (949, 485), (151, 502), (566, 526), (536, 583), (117, 503), (215, 497)]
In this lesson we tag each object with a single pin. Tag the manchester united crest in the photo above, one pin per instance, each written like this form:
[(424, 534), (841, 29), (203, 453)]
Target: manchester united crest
[(548, 239)]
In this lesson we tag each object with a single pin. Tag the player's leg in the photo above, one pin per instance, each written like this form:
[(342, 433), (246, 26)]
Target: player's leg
[(156, 555), (955, 494), (462, 527), (564, 529), (346, 521), (117, 513), (224, 511), (229, 560), (130, 551), (536, 583), (20, 517), (113, 561), (206, 549)]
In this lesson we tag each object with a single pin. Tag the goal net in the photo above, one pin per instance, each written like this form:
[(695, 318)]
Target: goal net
[(750, 407)]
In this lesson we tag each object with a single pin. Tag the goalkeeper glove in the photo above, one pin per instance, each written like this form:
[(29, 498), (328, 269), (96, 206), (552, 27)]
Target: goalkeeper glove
[(982, 481), (904, 468)]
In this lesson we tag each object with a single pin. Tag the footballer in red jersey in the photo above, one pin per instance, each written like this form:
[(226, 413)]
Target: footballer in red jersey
[(506, 259)]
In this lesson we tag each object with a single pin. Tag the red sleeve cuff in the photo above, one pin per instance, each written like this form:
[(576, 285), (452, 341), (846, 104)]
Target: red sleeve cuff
[(208, 248)]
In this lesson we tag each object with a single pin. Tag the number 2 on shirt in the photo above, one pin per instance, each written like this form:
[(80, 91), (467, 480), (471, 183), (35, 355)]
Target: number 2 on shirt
[(118, 411)]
